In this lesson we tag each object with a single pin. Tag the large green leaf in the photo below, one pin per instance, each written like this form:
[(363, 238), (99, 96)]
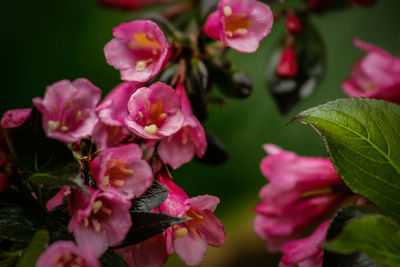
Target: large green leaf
[(377, 235), (34, 249), (44, 161), (362, 136)]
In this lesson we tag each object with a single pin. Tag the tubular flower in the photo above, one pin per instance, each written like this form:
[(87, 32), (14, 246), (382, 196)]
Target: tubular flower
[(139, 50), (112, 112), (305, 252), (16, 117), (122, 169), (239, 24), (154, 112), (100, 221), (190, 239), (66, 254), (68, 109), (180, 148), (301, 192), (377, 75)]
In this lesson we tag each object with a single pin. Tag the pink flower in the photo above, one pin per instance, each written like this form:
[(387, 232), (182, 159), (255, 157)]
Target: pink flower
[(288, 66), (131, 4), (57, 200), (139, 50), (305, 252), (150, 253), (123, 170), (65, 254), (301, 192), (154, 112), (112, 112), (190, 239), (377, 75), (68, 109), (16, 117), (180, 148), (240, 24), (293, 24), (100, 221)]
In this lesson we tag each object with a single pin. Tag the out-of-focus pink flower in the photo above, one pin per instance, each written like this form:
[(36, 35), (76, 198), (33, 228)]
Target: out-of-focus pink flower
[(150, 253), (123, 170), (68, 109), (100, 221), (180, 148), (288, 66), (190, 239), (139, 50), (15, 117), (240, 24), (66, 254), (57, 200), (301, 192), (305, 252), (154, 112), (112, 112), (131, 4), (293, 24), (377, 75)]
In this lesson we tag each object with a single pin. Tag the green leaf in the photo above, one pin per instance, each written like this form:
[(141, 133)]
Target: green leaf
[(44, 161), (151, 199), (148, 224), (110, 259), (34, 249), (342, 217), (362, 137), (378, 236), (311, 57)]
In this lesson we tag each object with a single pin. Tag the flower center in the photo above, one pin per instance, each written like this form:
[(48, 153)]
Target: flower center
[(116, 172), (69, 260), (99, 213), (236, 25), (155, 116)]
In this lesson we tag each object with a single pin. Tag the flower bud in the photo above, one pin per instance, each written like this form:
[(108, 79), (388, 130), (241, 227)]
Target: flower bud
[(294, 24), (288, 66)]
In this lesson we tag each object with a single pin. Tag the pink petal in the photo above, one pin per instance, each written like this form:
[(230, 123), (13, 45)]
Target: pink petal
[(190, 249)]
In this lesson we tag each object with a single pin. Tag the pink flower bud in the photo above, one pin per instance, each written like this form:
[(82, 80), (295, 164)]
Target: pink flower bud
[(68, 109), (154, 112), (288, 66), (239, 24), (16, 117), (139, 50), (65, 254), (294, 24)]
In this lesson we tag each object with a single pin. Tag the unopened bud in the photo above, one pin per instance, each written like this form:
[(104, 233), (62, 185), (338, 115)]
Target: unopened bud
[(288, 66), (294, 24)]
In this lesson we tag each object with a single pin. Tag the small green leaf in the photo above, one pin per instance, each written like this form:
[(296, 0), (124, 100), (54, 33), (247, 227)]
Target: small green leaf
[(377, 236), (148, 224), (151, 199), (110, 259), (362, 137), (34, 249)]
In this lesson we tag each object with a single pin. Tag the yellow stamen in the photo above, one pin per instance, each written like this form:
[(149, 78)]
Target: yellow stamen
[(227, 11), (241, 31), (78, 115), (151, 129), (118, 183), (140, 116), (181, 232), (96, 206), (64, 128), (106, 180), (86, 222), (162, 116), (147, 102), (106, 210), (140, 65), (96, 225), (53, 125), (317, 192)]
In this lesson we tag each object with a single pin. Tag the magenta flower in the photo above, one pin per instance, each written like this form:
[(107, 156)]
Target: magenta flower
[(123, 170), (68, 109), (100, 221), (305, 252), (15, 117), (190, 239), (154, 112), (57, 200), (239, 24), (150, 253), (377, 75), (66, 254), (139, 50), (112, 112), (180, 148), (301, 192)]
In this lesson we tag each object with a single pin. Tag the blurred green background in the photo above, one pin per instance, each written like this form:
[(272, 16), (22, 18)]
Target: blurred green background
[(49, 40)]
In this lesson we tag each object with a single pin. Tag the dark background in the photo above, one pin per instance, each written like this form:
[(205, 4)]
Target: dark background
[(42, 42)]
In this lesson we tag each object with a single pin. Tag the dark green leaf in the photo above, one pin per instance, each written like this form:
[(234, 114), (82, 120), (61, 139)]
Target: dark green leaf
[(343, 216), (46, 162), (377, 236), (216, 153), (148, 224), (110, 259), (34, 249), (362, 136), (311, 58), (198, 76), (152, 199)]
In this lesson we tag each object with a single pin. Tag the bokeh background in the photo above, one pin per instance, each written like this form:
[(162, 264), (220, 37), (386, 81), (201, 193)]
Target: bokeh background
[(44, 41)]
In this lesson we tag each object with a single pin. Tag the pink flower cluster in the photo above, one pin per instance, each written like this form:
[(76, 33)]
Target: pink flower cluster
[(138, 127), (377, 75), (302, 192)]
